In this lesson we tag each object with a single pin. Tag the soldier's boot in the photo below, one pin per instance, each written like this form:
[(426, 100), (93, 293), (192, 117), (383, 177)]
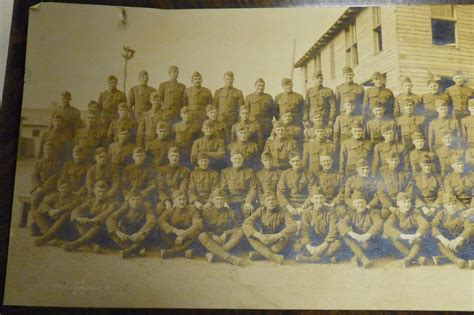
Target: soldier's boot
[(254, 255), (167, 253), (422, 261), (233, 241), (355, 261), (214, 248), (174, 251), (358, 252), (437, 260), (42, 222), (96, 248), (130, 251), (51, 233), (279, 245), (209, 257), (278, 259), (188, 253), (85, 238), (233, 260), (332, 250), (260, 248), (366, 262), (302, 259), (471, 264), (449, 254)]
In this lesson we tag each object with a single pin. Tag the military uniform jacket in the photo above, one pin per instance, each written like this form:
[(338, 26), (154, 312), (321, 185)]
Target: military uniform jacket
[(201, 184), (146, 130), (459, 96), (353, 150), (72, 119), (292, 101), (227, 100), (442, 154), (248, 149), (374, 96), (428, 101), (342, 126), (254, 128), (321, 222), (293, 187), (437, 127), (157, 149), (219, 221), (467, 131), (452, 226), (141, 220), (64, 202), (411, 222), (121, 154), (391, 183), (369, 221), (268, 180), (213, 145), (120, 123), (185, 134), (171, 178), (352, 90), (240, 184), (279, 149), (45, 174), (94, 208), (414, 159), (265, 221), (320, 99), (400, 101), (332, 184), (139, 98), (141, 177), (367, 185), (428, 187), (75, 174), (184, 219), (172, 96), (461, 185), (109, 101), (383, 150), (375, 126), (312, 151), (407, 125), (61, 144), (89, 139), (107, 172), (262, 108), (196, 99)]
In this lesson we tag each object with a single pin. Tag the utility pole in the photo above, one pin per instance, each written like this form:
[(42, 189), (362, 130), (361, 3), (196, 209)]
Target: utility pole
[(127, 54)]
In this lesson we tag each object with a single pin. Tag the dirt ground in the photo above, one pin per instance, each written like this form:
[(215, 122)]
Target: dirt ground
[(48, 276)]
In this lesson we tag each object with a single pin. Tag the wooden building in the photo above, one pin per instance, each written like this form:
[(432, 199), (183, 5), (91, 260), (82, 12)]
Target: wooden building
[(34, 123), (416, 41)]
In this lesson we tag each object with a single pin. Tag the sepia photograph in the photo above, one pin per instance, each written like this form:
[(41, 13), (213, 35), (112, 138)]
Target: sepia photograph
[(283, 158)]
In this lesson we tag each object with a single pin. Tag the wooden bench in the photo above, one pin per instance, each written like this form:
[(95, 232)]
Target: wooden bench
[(25, 206)]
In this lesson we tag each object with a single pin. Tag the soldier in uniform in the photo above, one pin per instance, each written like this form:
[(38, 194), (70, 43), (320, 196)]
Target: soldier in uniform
[(157, 149), (56, 135), (105, 171), (268, 176), (459, 94), (124, 120), (428, 188), (211, 145), (429, 99), (447, 149), (280, 146), (408, 123), (379, 122), (90, 137), (294, 185), (139, 96), (316, 119), (109, 99), (94, 108), (269, 230), (196, 98), (121, 151), (228, 100), (139, 176), (171, 95), (354, 149), (54, 213), (90, 216), (322, 99), (240, 184), (293, 129), (72, 116), (342, 126), (202, 182), (261, 107), (460, 182), (417, 153), (130, 226), (383, 149), (378, 94), (393, 179), (362, 182), (291, 100), (180, 226), (221, 128), (360, 228), (349, 89), (407, 87), (406, 228), (313, 149), (243, 144), (75, 171), (222, 229), (441, 124), (254, 129), (186, 131), (467, 126), (318, 235), (146, 130), (172, 176), (453, 231)]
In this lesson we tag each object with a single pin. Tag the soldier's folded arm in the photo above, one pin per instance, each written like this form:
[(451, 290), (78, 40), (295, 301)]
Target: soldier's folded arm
[(163, 221), (343, 226), (332, 230), (150, 221), (112, 222), (46, 204), (102, 217), (196, 226), (290, 226), (248, 227)]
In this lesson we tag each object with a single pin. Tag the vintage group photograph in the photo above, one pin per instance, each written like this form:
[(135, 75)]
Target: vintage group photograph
[(304, 158)]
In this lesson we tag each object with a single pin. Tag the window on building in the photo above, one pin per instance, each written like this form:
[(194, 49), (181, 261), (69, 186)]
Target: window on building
[(377, 27), (332, 61), (317, 62), (36, 133), (443, 25), (352, 57)]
